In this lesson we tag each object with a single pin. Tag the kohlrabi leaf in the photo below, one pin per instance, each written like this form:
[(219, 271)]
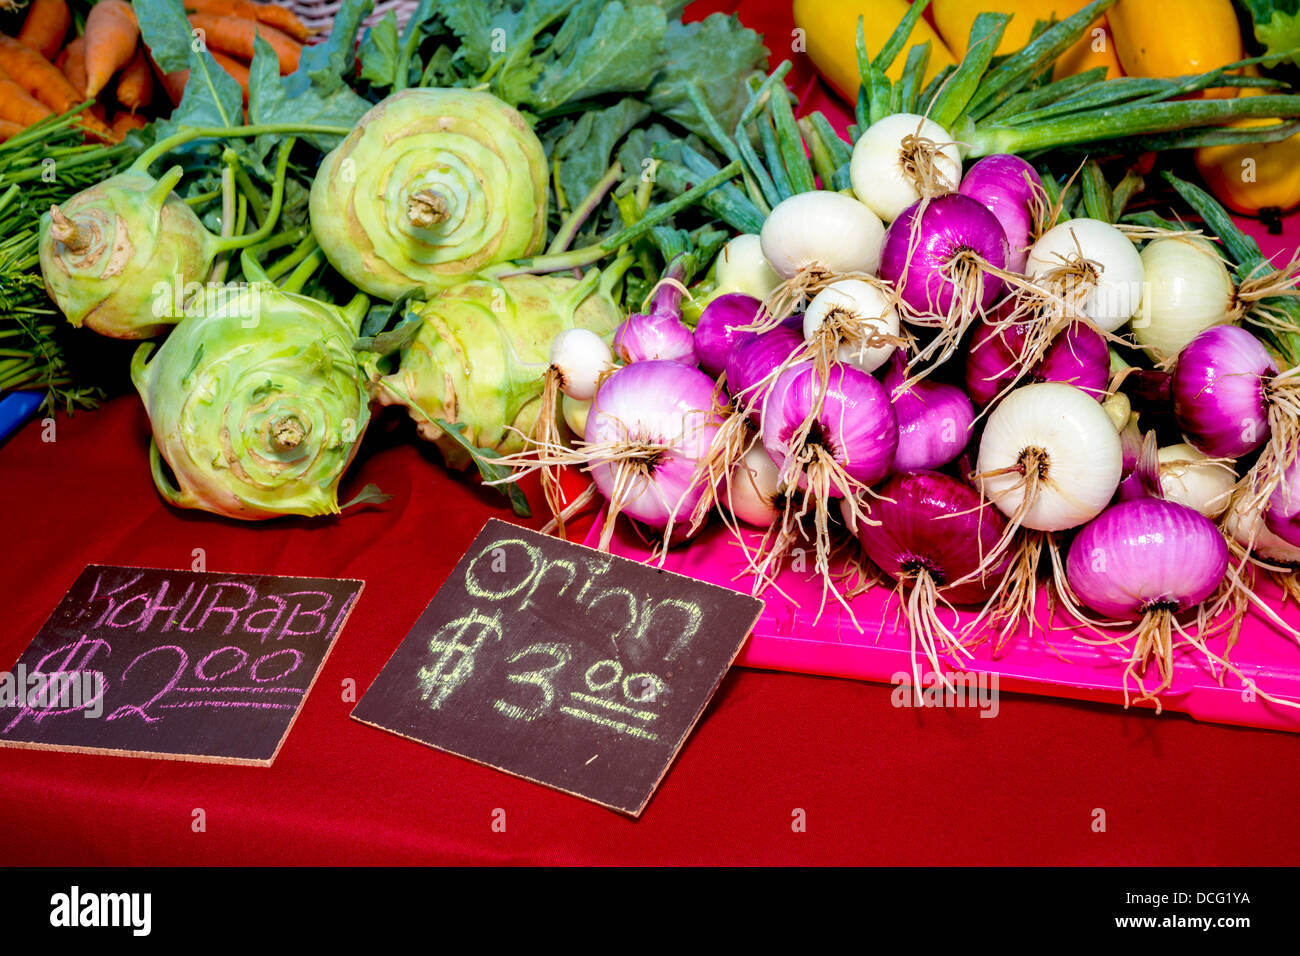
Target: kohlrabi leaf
[(584, 151), (483, 458), (378, 52), (623, 52), (166, 32), (716, 54)]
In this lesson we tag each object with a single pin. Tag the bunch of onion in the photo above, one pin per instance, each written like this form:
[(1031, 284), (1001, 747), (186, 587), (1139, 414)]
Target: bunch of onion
[(932, 534)]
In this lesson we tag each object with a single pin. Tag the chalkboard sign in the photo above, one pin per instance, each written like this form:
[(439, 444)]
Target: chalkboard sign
[(554, 662), (187, 665)]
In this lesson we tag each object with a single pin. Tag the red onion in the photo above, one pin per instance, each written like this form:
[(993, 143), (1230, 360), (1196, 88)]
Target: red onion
[(855, 425), (1009, 188), (934, 420), (659, 333), (717, 333), (1283, 513), (671, 410), (755, 361), (943, 267), (1220, 392), (1078, 357)]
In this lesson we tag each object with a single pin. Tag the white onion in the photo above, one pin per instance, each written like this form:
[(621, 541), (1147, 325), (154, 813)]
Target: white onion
[(742, 267), (1118, 409), (877, 171), (1081, 449), (1190, 478), (581, 357), (1249, 528), (865, 307), (1116, 292), (822, 230), (750, 495), (1186, 290)]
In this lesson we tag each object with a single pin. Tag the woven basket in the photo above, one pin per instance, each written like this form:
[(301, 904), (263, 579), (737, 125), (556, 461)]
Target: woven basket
[(318, 15)]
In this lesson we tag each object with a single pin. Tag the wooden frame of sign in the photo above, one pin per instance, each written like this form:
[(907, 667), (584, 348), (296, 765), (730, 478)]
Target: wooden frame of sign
[(551, 661), (180, 665)]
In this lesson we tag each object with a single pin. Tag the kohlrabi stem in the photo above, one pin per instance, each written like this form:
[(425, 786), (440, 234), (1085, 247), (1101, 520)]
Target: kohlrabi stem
[(277, 197), (569, 228), (222, 263), (252, 269), (577, 258), (304, 271), (355, 311), (190, 133), (300, 252), (247, 189)]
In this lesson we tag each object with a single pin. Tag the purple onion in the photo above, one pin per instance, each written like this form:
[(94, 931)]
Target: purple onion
[(855, 424), (1146, 555), (659, 333), (933, 523), (1078, 357), (1009, 188), (952, 227), (934, 420), (1219, 392), (1282, 516), (756, 360), (658, 402), (716, 333)]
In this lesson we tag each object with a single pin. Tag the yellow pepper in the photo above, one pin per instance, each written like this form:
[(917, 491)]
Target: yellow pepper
[(955, 17), (1095, 48), (1163, 38), (831, 28), (1252, 177)]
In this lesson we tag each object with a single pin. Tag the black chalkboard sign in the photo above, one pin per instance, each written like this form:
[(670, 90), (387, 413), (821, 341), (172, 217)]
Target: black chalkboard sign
[(188, 665), (554, 662)]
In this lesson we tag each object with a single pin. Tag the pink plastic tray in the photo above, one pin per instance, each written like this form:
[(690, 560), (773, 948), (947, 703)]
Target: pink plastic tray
[(785, 638)]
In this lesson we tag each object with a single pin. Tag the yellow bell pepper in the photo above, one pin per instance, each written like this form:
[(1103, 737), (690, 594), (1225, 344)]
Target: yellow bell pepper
[(831, 29), (955, 17), (1091, 50), (1251, 177), (1163, 38)]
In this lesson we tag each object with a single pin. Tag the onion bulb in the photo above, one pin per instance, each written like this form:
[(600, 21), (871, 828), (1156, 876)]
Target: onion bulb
[(900, 159), (1187, 290), (1190, 478), (742, 267), (1093, 266), (857, 320), (822, 234)]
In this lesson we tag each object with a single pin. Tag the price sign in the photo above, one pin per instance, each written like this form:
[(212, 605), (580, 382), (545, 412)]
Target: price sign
[(554, 662), (189, 665)]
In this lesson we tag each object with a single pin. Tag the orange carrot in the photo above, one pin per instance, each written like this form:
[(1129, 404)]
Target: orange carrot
[(272, 14), (235, 68), (74, 65), (135, 85), (111, 34), (18, 106), (234, 35), (45, 27), (8, 129), (126, 121), (43, 80)]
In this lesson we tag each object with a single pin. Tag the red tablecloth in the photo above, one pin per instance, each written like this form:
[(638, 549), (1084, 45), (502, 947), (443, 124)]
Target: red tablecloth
[(876, 784)]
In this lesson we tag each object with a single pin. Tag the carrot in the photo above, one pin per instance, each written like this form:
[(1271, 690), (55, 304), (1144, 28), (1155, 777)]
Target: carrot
[(111, 34), (43, 80), (74, 64), (126, 121), (8, 129), (272, 14), (18, 106), (135, 85), (45, 27), (234, 35), (235, 68)]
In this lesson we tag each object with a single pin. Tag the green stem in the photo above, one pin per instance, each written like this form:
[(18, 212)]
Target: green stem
[(273, 214), (191, 133), (299, 253), (569, 228), (304, 271)]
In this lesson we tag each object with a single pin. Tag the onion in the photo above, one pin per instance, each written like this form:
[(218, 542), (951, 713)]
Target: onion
[(1187, 291), (1283, 512), (1148, 559), (659, 333), (580, 357), (901, 158), (1197, 481), (1221, 392), (742, 267), (1078, 356), (720, 329), (939, 264), (751, 365), (932, 531), (650, 424), (1093, 266), (1248, 527), (1010, 188), (1049, 458), (855, 322), (821, 233), (934, 420), (575, 412), (752, 488)]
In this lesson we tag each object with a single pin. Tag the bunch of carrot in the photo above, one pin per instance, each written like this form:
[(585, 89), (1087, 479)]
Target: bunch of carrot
[(41, 76)]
